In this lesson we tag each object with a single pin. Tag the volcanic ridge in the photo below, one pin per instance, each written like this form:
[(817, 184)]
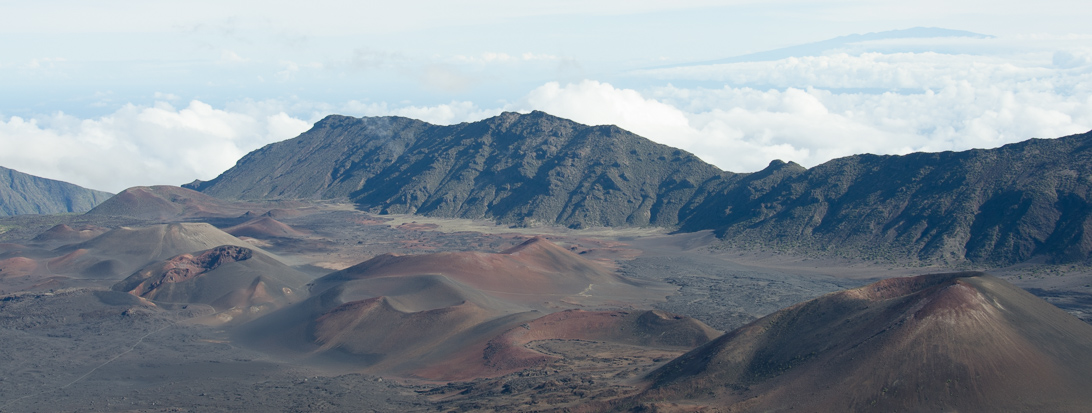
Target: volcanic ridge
[(22, 193), (993, 206)]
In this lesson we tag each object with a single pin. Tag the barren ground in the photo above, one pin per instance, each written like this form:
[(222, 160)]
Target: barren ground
[(71, 346)]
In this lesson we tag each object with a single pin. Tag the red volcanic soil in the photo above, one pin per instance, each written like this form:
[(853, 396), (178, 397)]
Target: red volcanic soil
[(455, 339), (68, 263), (397, 341), (264, 227), (165, 202), (946, 342), (390, 325), (531, 273), (17, 267), (185, 267), (508, 353), (433, 316), (65, 234)]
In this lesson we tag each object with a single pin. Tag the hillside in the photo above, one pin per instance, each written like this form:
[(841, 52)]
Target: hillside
[(118, 253), (1004, 205), (992, 206), (21, 193), (523, 169), (239, 282), (942, 342), (165, 203), (461, 315)]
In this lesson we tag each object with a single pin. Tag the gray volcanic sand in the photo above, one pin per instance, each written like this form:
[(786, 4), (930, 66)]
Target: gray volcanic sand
[(719, 292), (83, 350), (87, 350)]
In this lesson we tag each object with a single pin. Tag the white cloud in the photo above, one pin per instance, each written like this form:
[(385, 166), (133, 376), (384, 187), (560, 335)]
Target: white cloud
[(288, 70), (598, 103), (742, 129), (736, 139), (139, 145), (228, 56), (169, 97), (808, 110), (443, 114), (1072, 59), (445, 78), (368, 59), (44, 62)]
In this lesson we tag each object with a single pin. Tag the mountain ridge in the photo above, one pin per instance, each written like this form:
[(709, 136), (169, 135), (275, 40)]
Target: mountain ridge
[(22, 193), (1002, 205), (995, 206), (495, 168)]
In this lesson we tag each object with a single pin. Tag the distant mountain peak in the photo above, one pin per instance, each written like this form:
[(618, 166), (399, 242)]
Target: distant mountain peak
[(1001, 206), (817, 48), (22, 193), (524, 169)]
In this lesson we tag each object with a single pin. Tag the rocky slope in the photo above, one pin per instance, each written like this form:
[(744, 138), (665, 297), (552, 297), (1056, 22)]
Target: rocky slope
[(240, 283), (1004, 205), (997, 206), (21, 193), (522, 169)]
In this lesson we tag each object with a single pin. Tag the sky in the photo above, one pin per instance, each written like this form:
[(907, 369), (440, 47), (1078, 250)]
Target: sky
[(117, 93)]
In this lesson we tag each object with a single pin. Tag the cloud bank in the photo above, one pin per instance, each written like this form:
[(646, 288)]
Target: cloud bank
[(139, 145), (738, 116)]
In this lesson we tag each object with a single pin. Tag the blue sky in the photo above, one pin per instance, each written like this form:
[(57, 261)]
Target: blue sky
[(123, 93)]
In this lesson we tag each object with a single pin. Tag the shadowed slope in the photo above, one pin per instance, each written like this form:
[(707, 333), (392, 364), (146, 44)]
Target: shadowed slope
[(998, 206), (516, 168), (21, 193), (966, 342)]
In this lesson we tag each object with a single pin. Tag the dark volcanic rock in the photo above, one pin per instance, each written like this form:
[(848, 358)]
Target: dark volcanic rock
[(182, 268), (995, 206), (999, 206), (522, 169), (28, 194)]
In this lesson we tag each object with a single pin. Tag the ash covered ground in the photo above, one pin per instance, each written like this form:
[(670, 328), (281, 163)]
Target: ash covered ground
[(71, 344)]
